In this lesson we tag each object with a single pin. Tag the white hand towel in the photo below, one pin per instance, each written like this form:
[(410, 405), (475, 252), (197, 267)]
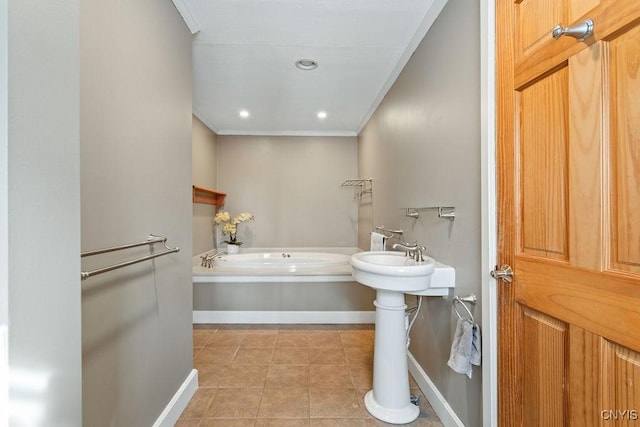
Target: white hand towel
[(476, 355), (461, 348), (378, 242)]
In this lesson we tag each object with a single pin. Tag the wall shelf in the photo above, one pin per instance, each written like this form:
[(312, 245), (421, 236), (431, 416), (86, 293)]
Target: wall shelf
[(208, 197)]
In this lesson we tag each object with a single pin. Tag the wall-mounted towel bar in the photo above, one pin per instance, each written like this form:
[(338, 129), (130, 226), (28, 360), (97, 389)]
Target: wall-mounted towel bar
[(448, 212), (362, 186), (471, 299), (382, 229), (150, 241)]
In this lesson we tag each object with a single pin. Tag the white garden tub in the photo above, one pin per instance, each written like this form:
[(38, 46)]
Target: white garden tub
[(281, 285)]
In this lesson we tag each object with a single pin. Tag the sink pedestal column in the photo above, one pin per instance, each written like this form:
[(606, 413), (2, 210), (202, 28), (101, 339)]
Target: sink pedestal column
[(389, 400)]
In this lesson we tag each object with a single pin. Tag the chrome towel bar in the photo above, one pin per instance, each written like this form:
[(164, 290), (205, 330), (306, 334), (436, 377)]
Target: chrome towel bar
[(150, 241), (471, 299), (382, 229), (447, 212)]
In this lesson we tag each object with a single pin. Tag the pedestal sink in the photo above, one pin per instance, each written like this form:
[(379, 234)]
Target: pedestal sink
[(392, 274)]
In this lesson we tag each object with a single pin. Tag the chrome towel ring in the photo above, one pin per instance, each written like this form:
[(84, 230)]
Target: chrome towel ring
[(471, 299)]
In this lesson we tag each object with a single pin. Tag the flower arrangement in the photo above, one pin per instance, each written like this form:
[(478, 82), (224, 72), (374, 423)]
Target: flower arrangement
[(231, 224)]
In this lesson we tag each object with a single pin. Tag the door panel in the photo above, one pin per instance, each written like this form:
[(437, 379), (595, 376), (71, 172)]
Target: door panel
[(534, 32), (625, 126), (585, 377), (585, 149), (544, 358), (569, 214), (579, 7), (624, 372), (542, 146)]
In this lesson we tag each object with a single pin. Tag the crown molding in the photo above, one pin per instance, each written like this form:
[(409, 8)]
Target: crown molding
[(187, 16)]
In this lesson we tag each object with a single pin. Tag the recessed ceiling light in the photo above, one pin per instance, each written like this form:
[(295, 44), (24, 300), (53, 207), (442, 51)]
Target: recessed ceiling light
[(307, 64), (244, 114), (322, 115)]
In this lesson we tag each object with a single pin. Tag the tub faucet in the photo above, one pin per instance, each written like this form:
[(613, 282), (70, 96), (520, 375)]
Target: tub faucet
[(414, 251)]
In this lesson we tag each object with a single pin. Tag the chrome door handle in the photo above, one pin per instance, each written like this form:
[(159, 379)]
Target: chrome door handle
[(580, 31), (504, 273)]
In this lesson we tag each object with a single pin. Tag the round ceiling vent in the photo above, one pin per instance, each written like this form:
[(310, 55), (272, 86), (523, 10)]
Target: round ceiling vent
[(307, 64)]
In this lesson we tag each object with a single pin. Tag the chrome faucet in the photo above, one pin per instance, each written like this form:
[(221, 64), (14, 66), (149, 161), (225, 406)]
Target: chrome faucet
[(207, 260), (414, 251)]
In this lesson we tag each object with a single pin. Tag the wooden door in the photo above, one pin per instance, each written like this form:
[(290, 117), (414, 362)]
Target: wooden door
[(569, 214)]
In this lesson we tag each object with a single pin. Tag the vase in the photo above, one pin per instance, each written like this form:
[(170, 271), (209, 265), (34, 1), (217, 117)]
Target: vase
[(232, 249)]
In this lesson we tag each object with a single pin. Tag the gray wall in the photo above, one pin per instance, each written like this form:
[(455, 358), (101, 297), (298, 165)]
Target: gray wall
[(422, 147), (292, 186), (135, 179), (4, 217), (44, 211), (204, 175)]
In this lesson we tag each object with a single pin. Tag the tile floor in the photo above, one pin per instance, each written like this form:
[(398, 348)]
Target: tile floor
[(285, 375)]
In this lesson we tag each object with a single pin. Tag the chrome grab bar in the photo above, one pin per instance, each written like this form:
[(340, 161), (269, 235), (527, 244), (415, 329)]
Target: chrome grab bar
[(150, 241)]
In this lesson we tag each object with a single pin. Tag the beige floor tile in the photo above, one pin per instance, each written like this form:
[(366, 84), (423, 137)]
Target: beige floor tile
[(188, 422), (282, 422), (259, 339), (253, 356), (287, 376), (215, 355), (327, 356), (267, 375), (336, 422), (426, 411), (210, 375), (356, 327), (359, 356), (330, 376), (226, 339), (201, 336), (228, 422), (297, 339), (420, 422), (362, 376), (199, 403), (284, 403), (244, 376), (334, 403), (263, 329), (235, 403), (325, 339), (196, 350), (290, 356), (362, 339)]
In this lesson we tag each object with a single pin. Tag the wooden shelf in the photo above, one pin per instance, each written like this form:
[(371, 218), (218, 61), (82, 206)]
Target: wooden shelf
[(208, 197)]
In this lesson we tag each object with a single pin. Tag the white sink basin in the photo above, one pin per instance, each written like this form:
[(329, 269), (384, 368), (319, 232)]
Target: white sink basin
[(393, 274), (392, 271)]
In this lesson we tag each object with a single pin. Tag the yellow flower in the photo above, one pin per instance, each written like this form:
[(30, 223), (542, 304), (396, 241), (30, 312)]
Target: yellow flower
[(243, 217), (230, 228), (231, 225), (221, 217)]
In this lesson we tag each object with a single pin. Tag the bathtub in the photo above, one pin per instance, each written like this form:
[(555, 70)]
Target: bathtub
[(281, 285), (291, 261)]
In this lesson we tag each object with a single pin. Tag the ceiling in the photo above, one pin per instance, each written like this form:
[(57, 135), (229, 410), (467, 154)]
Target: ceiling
[(244, 54)]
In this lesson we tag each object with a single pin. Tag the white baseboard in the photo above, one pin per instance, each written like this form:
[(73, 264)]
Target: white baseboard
[(284, 317), (179, 401), (436, 399)]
